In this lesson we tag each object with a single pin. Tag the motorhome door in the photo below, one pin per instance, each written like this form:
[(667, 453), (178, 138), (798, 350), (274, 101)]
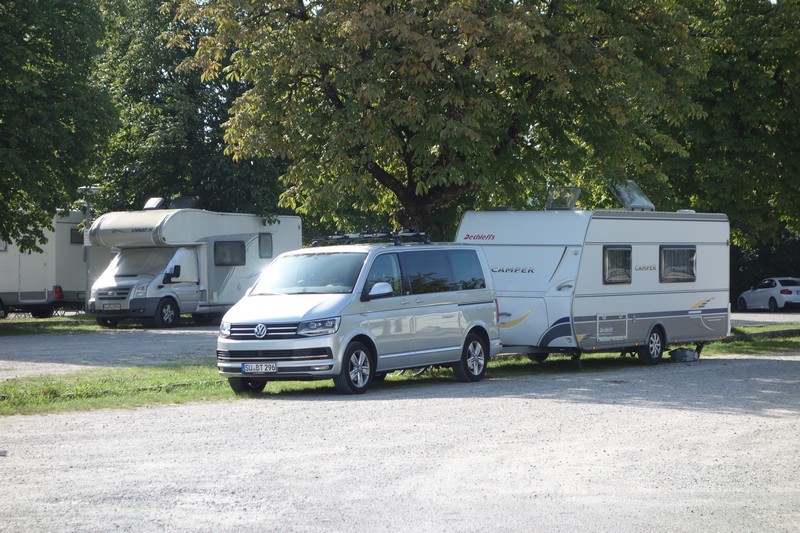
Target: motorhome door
[(186, 286)]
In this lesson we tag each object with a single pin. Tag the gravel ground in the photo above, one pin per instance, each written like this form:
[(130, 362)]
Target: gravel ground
[(704, 446)]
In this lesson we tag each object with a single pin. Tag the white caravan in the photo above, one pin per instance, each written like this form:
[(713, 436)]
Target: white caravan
[(176, 261), (595, 281), (55, 278)]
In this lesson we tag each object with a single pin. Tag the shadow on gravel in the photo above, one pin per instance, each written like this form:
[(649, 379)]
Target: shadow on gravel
[(763, 385)]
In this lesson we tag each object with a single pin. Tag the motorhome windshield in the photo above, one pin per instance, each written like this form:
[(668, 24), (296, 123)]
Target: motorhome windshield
[(136, 261), (318, 273)]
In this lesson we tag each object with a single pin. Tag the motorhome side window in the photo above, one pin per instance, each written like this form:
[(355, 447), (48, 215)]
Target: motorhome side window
[(265, 245), (616, 265), (678, 264), (428, 271), (467, 270), (386, 268), (75, 236), (229, 253)]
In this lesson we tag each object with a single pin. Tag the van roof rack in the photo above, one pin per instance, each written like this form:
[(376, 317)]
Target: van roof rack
[(395, 237)]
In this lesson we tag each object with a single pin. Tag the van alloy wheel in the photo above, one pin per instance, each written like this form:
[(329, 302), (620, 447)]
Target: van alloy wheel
[(472, 365), (355, 376)]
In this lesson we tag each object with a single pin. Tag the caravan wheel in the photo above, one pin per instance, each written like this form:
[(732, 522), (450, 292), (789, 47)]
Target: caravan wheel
[(651, 352)]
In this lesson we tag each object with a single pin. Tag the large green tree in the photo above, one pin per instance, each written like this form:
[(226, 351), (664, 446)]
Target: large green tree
[(413, 107), (168, 139), (51, 116), (743, 154)]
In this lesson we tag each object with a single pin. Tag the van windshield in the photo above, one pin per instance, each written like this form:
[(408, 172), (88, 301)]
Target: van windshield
[(317, 273), (132, 262)]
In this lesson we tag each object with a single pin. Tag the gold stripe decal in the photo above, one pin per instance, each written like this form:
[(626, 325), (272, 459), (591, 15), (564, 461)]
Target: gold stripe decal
[(515, 322)]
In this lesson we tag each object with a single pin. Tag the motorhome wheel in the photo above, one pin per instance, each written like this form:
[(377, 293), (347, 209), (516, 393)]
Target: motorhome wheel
[(356, 374), (472, 365), (167, 314), (651, 352), (247, 385)]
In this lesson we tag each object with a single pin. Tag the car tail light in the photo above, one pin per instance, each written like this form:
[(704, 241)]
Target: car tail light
[(58, 293), (786, 291)]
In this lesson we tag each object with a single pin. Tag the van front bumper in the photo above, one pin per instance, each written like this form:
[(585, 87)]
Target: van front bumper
[(278, 360), (135, 308)]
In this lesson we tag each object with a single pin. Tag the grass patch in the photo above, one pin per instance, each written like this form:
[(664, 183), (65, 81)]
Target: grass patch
[(121, 388), (80, 323)]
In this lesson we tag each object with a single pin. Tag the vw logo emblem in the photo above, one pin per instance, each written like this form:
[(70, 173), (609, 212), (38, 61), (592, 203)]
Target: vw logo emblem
[(260, 331)]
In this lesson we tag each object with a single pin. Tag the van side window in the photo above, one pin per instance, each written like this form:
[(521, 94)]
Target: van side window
[(467, 271), (616, 265), (229, 253), (678, 264), (386, 268), (428, 271), (265, 245)]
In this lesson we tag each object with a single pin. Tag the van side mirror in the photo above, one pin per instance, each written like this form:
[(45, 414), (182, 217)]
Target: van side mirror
[(174, 273), (380, 290)]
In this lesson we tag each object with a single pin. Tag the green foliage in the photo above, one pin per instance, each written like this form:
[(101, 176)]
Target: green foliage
[(744, 158), (168, 141), (51, 116), (414, 108)]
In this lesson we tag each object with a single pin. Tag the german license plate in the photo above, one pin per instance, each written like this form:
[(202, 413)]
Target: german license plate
[(259, 368), (111, 307)]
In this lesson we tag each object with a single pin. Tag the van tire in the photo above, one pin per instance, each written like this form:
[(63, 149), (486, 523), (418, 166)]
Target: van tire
[(357, 371), (472, 365), (247, 385), (653, 349), (167, 314), (107, 322)]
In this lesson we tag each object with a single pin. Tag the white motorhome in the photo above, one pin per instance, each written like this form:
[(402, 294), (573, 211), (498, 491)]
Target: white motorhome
[(55, 278), (176, 261), (596, 281)]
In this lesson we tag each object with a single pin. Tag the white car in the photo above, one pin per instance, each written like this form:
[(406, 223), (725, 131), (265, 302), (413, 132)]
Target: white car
[(771, 293)]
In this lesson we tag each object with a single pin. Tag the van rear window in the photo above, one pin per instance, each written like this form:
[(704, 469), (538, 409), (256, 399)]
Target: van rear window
[(467, 271)]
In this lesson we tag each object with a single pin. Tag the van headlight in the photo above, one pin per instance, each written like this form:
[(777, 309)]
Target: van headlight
[(324, 326), (140, 291), (225, 329)]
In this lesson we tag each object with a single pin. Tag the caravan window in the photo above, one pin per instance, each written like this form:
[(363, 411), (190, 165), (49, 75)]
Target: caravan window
[(229, 253), (616, 264), (265, 245), (678, 264)]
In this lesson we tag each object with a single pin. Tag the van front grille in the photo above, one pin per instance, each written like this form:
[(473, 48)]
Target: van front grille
[(113, 293), (273, 332)]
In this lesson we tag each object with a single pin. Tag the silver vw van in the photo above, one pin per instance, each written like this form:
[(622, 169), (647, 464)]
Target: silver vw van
[(356, 312)]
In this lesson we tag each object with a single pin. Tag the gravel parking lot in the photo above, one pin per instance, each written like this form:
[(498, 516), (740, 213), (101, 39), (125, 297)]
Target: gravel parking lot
[(704, 446)]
